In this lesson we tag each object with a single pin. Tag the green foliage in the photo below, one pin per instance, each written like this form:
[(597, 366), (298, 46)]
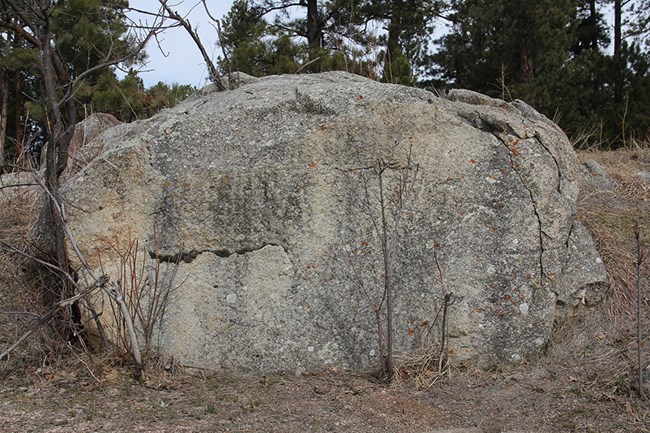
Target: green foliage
[(398, 70), (257, 45), (85, 35), (589, 27), (124, 99), (498, 45), (409, 26), (14, 58), (549, 54), (161, 96), (128, 100), (638, 23), (88, 32), (254, 47)]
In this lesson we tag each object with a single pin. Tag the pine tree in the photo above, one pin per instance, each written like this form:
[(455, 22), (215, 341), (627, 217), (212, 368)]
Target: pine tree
[(251, 45), (86, 33), (329, 36), (552, 55), (408, 26), (18, 63), (637, 23), (603, 98), (503, 49)]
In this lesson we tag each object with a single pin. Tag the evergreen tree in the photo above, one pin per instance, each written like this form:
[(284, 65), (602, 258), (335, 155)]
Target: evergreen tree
[(408, 26), (506, 49), (603, 98), (638, 23), (551, 54), (128, 100), (590, 28), (252, 46), (90, 31), (86, 35), (125, 99), (57, 78), (18, 65), (331, 35), (161, 96)]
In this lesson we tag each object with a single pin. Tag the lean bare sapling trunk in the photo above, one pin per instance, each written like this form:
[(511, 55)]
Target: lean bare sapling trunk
[(639, 337), (387, 185), (4, 98)]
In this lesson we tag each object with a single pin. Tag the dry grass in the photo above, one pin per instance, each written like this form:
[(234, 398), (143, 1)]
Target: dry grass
[(421, 370), (19, 307), (597, 352), (610, 216)]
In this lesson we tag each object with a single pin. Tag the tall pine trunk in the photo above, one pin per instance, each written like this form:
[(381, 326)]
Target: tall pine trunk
[(593, 21), (17, 115), (618, 81), (61, 121), (314, 35), (314, 32), (392, 43), (4, 101)]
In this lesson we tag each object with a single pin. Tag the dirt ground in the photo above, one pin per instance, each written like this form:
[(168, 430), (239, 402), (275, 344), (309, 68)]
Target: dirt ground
[(585, 381), (534, 398)]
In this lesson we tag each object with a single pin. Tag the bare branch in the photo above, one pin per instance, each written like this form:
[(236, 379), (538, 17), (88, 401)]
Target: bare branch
[(639, 261), (212, 70), (59, 306), (116, 294)]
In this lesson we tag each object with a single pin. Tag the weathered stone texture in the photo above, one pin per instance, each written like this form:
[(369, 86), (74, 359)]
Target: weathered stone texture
[(256, 187)]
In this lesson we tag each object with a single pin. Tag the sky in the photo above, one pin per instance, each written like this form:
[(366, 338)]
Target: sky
[(178, 60)]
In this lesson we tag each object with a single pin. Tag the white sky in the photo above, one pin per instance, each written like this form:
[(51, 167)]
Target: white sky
[(181, 62)]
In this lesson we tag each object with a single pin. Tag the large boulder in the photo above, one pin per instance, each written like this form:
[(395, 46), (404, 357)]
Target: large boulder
[(255, 197), (84, 146)]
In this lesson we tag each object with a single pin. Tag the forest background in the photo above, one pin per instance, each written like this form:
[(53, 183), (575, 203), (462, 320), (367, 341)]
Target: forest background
[(560, 56)]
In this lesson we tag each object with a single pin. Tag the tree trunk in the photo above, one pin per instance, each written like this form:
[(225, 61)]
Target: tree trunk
[(4, 95), (387, 248), (618, 80), (392, 43), (593, 22), (17, 115), (618, 13), (60, 287), (314, 36), (314, 33)]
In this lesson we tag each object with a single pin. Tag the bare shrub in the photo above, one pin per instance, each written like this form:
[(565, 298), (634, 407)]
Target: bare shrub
[(145, 283), (387, 185), (138, 297), (431, 363)]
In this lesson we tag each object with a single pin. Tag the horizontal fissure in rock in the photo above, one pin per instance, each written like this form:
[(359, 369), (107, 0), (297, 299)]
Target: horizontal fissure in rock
[(189, 256)]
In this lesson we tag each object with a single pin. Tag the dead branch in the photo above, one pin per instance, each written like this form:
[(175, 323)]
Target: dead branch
[(445, 305), (59, 306), (384, 207), (639, 337), (212, 70), (116, 294)]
